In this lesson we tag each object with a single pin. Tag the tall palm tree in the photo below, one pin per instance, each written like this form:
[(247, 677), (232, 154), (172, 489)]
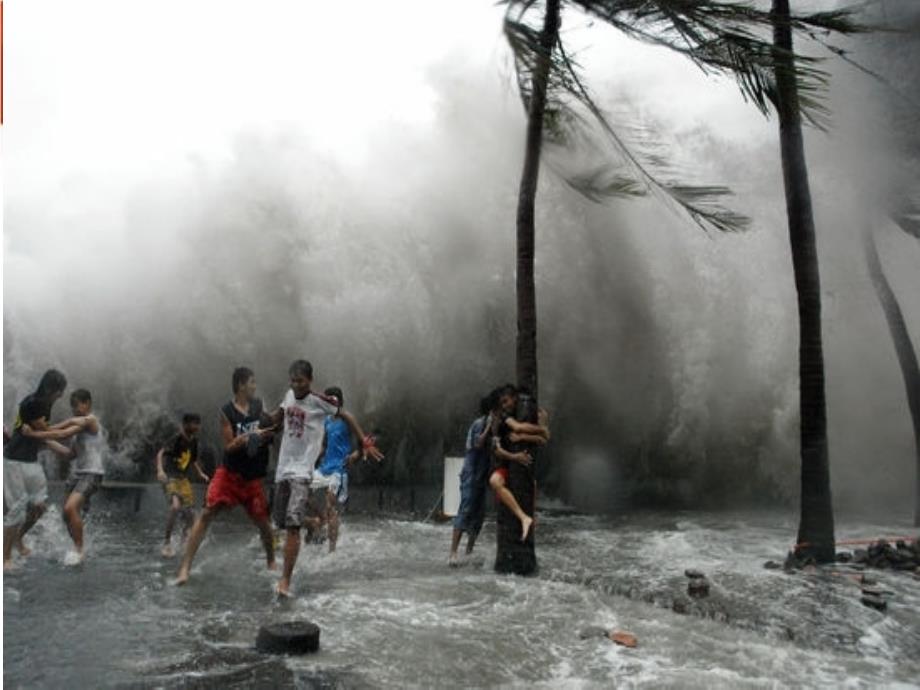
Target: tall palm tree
[(907, 355), (816, 522), (526, 360), (721, 37)]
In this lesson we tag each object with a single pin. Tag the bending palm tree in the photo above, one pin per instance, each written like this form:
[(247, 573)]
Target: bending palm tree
[(907, 356)]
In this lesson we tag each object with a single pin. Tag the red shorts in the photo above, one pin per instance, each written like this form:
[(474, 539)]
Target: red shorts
[(503, 472), (230, 489)]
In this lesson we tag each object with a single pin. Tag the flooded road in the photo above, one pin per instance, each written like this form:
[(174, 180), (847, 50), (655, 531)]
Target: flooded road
[(392, 613)]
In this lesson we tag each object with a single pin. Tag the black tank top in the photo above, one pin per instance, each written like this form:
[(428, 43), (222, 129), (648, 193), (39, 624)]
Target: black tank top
[(250, 461)]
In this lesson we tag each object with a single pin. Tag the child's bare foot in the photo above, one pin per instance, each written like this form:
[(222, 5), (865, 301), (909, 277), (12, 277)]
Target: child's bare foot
[(453, 560), (73, 558), (8, 566), (526, 524), (283, 588), (272, 565), (167, 551), (181, 578), (23, 549)]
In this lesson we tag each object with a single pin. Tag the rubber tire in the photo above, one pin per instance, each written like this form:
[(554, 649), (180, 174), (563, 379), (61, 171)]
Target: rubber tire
[(292, 637)]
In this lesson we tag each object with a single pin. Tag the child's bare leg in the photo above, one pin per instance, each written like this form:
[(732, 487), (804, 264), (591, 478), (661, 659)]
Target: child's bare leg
[(497, 482), (313, 525), (10, 536), (74, 520), (454, 545), (470, 542), (291, 550), (268, 540), (332, 520), (199, 529), (32, 516), (175, 505), (188, 519)]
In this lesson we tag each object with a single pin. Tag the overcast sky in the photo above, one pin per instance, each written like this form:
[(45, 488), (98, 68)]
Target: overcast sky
[(119, 89)]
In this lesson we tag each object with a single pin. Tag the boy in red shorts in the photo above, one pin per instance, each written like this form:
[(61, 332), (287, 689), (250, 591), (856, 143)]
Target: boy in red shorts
[(246, 433)]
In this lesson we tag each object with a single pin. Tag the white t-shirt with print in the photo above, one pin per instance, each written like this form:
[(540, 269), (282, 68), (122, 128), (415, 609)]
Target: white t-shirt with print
[(303, 435)]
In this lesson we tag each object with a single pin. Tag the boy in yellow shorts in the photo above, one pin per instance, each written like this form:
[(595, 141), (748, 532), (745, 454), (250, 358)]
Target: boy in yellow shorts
[(175, 462)]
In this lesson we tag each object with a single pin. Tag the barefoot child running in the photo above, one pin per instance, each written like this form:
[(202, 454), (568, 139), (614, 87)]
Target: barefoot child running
[(339, 451), (85, 451), (246, 434), (302, 413), (175, 462)]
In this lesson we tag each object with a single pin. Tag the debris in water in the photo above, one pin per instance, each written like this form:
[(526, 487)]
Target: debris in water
[(624, 639), (292, 637), (875, 602), (698, 588)]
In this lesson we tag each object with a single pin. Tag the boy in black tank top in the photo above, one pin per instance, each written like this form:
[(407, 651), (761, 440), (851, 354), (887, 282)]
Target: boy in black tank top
[(247, 433)]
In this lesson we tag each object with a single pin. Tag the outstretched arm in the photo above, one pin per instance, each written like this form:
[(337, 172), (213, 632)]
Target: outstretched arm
[(527, 428), (50, 434), (366, 442), (527, 438), (62, 450), (89, 423)]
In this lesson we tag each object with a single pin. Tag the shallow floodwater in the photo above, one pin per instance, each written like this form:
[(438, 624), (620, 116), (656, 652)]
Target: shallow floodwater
[(393, 614)]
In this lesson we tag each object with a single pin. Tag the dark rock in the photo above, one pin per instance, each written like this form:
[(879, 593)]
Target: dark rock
[(293, 637), (860, 556), (866, 580), (874, 602), (900, 544), (772, 565), (679, 606), (698, 588), (694, 574), (844, 557)]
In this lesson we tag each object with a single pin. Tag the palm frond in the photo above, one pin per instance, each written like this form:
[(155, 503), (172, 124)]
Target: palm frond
[(634, 166), (729, 38)]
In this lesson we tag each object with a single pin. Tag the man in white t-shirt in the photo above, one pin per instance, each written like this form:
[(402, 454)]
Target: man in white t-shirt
[(302, 412)]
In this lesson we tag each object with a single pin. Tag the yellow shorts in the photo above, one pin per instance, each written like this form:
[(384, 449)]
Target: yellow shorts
[(182, 488)]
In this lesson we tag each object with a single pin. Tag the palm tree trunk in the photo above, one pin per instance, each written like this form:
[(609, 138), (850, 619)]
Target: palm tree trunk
[(907, 356), (526, 361), (511, 554), (816, 526)]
